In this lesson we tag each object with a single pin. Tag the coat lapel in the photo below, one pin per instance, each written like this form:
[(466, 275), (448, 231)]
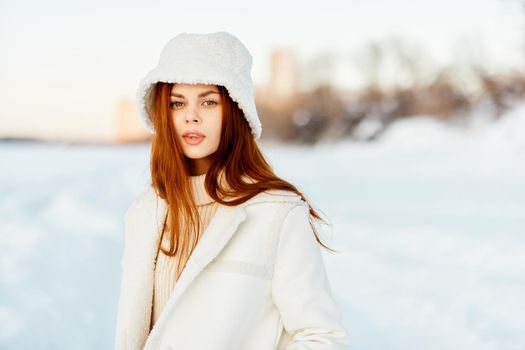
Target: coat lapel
[(149, 218), (220, 229)]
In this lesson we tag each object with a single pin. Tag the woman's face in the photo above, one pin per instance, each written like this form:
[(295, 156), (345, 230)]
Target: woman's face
[(197, 108)]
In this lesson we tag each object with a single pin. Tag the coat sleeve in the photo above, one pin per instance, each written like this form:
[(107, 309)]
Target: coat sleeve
[(122, 339), (301, 290), (120, 336)]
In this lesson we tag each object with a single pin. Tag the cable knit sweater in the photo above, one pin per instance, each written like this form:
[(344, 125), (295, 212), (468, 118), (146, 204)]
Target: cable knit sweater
[(166, 265)]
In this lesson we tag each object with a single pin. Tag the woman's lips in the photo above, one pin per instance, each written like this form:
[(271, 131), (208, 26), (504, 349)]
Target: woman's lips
[(193, 139)]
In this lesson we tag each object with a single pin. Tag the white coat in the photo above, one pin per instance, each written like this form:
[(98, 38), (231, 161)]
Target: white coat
[(255, 281)]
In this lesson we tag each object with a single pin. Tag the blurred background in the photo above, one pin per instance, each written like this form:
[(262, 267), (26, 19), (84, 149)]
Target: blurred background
[(402, 121)]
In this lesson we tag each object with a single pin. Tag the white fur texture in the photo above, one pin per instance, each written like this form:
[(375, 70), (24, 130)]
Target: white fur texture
[(217, 58)]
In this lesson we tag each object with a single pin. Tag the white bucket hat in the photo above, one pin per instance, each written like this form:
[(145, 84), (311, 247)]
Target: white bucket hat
[(217, 58)]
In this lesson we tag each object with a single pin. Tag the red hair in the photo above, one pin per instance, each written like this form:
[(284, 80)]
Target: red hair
[(238, 155)]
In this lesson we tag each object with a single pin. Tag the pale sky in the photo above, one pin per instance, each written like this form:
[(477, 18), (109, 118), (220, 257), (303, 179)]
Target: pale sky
[(63, 65)]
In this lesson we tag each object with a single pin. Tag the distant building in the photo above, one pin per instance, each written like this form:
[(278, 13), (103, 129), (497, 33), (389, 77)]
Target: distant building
[(128, 127), (283, 75)]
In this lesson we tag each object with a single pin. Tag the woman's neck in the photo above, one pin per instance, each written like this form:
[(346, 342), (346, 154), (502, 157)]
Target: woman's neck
[(200, 166)]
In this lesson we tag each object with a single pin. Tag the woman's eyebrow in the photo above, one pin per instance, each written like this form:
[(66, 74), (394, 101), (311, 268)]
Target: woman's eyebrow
[(200, 95)]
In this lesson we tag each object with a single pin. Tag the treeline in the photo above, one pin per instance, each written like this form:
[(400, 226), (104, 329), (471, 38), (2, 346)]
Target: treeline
[(454, 93)]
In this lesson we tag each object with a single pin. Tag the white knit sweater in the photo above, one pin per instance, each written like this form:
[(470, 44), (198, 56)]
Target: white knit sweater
[(165, 267)]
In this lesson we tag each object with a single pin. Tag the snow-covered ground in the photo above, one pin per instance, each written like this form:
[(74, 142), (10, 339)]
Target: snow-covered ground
[(429, 223)]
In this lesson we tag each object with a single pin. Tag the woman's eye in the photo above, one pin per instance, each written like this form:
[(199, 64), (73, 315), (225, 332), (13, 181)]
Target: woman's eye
[(178, 104), (175, 104)]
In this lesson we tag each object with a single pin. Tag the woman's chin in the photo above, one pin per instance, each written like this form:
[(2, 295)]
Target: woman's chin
[(195, 155)]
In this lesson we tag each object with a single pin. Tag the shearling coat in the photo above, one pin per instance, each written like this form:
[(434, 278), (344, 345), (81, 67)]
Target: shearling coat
[(255, 281)]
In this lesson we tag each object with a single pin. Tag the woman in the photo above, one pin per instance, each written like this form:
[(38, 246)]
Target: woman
[(219, 252)]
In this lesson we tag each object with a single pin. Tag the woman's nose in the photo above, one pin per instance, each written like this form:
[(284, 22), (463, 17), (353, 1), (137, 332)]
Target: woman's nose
[(192, 116)]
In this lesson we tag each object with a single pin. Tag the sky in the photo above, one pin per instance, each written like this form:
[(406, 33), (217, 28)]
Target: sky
[(64, 64)]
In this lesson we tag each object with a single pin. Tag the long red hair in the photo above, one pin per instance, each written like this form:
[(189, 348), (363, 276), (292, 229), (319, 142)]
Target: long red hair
[(237, 155)]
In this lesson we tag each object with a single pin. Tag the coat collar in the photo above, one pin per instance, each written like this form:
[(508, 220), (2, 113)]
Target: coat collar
[(219, 231)]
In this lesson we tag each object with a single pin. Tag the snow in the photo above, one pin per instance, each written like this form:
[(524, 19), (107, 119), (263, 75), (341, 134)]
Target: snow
[(429, 224)]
